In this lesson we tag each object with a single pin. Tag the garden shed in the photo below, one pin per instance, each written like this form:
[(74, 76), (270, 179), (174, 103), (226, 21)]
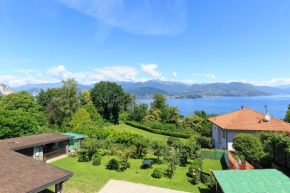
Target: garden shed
[(258, 180), (76, 142)]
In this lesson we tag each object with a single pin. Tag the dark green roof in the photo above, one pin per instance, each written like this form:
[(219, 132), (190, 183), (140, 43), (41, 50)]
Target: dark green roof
[(75, 135), (252, 181)]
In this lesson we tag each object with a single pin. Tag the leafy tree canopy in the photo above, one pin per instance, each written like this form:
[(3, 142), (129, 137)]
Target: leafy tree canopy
[(81, 118), (108, 98), (17, 123)]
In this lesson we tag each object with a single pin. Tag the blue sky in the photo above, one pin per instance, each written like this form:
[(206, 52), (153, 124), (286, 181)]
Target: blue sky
[(125, 40)]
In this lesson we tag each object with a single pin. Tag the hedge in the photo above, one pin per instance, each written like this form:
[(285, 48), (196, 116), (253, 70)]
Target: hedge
[(161, 132)]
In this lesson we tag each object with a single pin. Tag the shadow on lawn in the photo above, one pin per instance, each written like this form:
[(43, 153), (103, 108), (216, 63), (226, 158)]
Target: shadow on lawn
[(48, 191)]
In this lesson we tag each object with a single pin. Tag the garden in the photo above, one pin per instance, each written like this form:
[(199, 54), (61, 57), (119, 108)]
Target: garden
[(121, 154)]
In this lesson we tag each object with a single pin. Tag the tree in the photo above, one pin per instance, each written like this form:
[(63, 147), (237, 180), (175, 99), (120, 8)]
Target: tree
[(187, 150), (81, 118), (23, 101), (194, 122), (155, 115), (124, 154), (139, 112), (248, 144), (67, 103), (16, 123), (159, 147), (91, 146), (19, 101), (160, 103), (287, 117), (173, 115), (95, 116), (44, 98), (85, 97), (172, 158), (108, 98), (129, 102), (141, 144)]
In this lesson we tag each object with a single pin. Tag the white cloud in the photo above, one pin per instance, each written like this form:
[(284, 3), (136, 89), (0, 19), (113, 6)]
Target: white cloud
[(189, 81), (60, 73), (174, 74), (114, 73), (272, 82), (15, 81), (164, 17), (209, 75), (39, 74), (151, 69)]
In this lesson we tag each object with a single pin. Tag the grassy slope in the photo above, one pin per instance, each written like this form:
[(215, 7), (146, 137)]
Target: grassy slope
[(152, 136), (89, 178)]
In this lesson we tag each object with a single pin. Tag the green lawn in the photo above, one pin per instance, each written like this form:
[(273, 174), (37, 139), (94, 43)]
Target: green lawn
[(211, 165), (88, 178), (123, 127)]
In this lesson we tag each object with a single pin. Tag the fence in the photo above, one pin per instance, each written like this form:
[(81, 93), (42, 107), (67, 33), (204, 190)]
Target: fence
[(215, 155), (282, 158)]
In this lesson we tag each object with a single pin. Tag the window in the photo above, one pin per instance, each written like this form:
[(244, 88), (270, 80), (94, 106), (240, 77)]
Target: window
[(224, 134)]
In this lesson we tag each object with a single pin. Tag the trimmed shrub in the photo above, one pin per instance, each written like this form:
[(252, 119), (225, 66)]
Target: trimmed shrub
[(97, 161), (113, 165), (158, 173), (157, 131), (84, 156)]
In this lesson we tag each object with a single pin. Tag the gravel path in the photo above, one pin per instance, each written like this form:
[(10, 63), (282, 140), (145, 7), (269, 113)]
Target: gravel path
[(115, 186)]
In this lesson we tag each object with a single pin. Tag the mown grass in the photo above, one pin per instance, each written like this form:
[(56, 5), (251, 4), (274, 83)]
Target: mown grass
[(211, 165), (88, 178), (152, 136)]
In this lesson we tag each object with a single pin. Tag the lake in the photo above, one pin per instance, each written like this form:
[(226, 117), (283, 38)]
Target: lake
[(277, 105)]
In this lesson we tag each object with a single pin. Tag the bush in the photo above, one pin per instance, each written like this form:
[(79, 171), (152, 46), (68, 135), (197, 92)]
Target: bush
[(84, 156), (157, 131), (266, 161), (194, 170), (97, 161), (204, 142), (249, 144), (158, 173), (113, 164)]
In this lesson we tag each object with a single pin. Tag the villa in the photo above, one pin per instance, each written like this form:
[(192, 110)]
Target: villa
[(225, 127), (21, 166)]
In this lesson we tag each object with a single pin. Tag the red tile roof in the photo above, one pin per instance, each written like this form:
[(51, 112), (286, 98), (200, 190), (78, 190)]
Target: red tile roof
[(248, 119), (20, 173)]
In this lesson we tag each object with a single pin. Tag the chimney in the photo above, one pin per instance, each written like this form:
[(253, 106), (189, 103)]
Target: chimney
[(243, 107)]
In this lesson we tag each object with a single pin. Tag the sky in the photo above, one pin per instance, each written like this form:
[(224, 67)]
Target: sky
[(189, 41)]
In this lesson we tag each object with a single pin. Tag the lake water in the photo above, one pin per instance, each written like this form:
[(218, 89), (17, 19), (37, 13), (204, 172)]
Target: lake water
[(277, 105)]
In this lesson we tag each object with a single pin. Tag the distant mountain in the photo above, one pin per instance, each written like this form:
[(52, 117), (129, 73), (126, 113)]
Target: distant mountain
[(168, 86), (226, 89), (5, 90), (273, 90), (175, 89), (283, 86), (146, 91), (34, 89)]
